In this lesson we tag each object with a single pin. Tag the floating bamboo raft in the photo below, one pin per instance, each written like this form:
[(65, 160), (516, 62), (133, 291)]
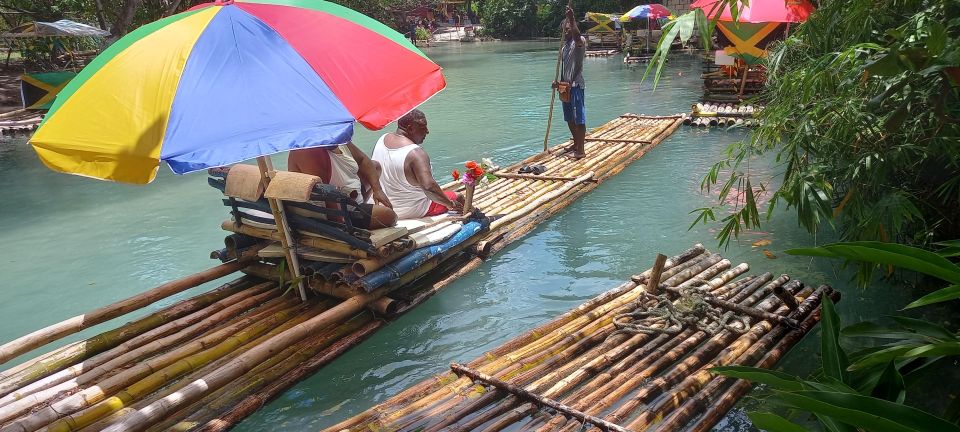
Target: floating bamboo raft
[(722, 114), (605, 366), (207, 362), (602, 52), (20, 122)]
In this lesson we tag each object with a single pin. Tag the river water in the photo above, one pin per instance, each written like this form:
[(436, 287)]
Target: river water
[(71, 244)]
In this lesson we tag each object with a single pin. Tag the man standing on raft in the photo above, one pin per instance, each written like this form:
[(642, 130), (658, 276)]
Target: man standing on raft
[(407, 177), (571, 85)]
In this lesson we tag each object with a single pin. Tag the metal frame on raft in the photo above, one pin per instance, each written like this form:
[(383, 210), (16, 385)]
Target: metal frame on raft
[(606, 365), (207, 362)]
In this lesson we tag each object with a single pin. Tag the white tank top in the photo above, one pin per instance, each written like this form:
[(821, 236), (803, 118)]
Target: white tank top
[(408, 200), (344, 171)]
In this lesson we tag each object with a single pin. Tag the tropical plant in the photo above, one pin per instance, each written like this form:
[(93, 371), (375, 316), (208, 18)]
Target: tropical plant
[(509, 19), (866, 389)]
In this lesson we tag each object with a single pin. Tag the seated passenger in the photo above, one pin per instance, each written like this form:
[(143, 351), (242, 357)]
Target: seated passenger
[(346, 166), (407, 177)]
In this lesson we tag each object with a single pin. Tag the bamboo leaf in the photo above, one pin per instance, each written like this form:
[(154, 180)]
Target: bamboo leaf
[(777, 380), (833, 357), (883, 356), (774, 423), (946, 294), (935, 350), (926, 328), (866, 412), (890, 385), (869, 329), (907, 257)]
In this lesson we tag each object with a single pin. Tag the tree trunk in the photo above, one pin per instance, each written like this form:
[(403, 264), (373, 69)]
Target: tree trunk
[(172, 8), (125, 19), (98, 5)]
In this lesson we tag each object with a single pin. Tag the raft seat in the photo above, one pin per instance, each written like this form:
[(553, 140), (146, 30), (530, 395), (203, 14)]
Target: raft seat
[(309, 215)]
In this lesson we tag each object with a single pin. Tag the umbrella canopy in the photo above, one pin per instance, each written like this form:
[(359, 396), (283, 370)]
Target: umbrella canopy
[(651, 11), (56, 28), (761, 11), (229, 81)]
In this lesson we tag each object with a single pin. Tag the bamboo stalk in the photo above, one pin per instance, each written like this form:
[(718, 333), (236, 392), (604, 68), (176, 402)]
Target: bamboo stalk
[(91, 395), (712, 408), (695, 382), (87, 372), (302, 240), (58, 359), (505, 386), (70, 326)]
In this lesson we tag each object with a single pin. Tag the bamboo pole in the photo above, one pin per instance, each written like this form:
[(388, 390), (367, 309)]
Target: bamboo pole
[(239, 365), (303, 240), (70, 326), (90, 372), (710, 406), (733, 354), (505, 386), (91, 395), (60, 358), (287, 240)]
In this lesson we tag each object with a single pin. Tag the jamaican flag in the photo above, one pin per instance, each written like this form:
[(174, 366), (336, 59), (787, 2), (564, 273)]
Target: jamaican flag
[(39, 89), (598, 22), (749, 40)]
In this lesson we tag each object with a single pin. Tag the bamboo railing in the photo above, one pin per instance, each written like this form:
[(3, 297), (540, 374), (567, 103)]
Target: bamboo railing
[(581, 367), (206, 362)]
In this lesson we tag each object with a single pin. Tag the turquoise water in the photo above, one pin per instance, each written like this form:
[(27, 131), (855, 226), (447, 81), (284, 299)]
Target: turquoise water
[(71, 244)]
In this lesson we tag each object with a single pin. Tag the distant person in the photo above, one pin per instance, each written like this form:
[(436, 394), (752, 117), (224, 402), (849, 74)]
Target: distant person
[(348, 168), (571, 81), (407, 177)]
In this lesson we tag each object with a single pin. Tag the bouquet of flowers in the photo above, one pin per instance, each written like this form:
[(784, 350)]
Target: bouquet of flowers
[(475, 173)]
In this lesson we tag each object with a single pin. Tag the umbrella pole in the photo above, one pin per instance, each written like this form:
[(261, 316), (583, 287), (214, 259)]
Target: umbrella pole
[(649, 35), (280, 218)]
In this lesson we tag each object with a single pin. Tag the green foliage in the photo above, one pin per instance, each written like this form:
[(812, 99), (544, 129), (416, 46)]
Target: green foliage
[(509, 19), (422, 34), (863, 118)]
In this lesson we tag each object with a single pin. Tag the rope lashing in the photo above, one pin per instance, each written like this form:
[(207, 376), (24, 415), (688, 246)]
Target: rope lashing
[(691, 309)]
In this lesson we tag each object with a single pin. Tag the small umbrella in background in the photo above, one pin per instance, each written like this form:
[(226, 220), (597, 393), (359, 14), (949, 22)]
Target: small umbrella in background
[(647, 12), (760, 11), (230, 81)]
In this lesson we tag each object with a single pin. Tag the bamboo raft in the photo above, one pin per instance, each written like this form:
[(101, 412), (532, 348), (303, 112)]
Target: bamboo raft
[(20, 122), (207, 362), (602, 52), (595, 368), (720, 114)]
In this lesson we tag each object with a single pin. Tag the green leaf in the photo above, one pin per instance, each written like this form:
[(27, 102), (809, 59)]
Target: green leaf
[(907, 257), (882, 356), (869, 329), (935, 350), (887, 64), (866, 412), (833, 357), (890, 385), (777, 380), (946, 294), (774, 423), (927, 328)]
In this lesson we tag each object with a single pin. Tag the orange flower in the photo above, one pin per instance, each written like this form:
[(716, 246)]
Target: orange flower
[(477, 172), (456, 175), (471, 165)]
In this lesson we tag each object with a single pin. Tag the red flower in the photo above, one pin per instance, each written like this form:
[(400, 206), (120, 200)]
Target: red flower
[(456, 175), (471, 165), (477, 172)]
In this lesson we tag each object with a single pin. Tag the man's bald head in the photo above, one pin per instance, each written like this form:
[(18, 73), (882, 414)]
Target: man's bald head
[(413, 125)]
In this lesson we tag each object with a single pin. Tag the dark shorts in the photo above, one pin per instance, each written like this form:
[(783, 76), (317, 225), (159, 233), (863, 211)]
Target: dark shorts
[(361, 217), (574, 111)]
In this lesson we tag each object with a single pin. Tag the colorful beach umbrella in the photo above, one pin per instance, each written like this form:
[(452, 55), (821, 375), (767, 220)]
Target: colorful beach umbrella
[(760, 11), (647, 11), (230, 81)]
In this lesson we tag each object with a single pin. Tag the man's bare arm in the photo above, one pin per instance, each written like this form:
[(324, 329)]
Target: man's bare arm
[(574, 28), (369, 176), (420, 165)]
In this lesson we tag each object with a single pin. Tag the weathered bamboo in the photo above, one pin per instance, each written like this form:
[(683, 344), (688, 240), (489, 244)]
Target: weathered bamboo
[(87, 372), (652, 284), (786, 298), (732, 355), (70, 326), (711, 406), (505, 386), (303, 240), (91, 395), (58, 359)]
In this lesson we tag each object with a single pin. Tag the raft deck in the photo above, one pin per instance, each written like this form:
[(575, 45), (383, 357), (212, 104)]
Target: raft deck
[(604, 366), (207, 362)]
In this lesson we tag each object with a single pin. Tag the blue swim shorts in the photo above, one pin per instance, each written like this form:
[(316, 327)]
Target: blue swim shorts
[(574, 111)]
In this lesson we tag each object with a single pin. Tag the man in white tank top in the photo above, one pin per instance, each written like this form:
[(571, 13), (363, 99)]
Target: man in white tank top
[(346, 166), (406, 176)]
